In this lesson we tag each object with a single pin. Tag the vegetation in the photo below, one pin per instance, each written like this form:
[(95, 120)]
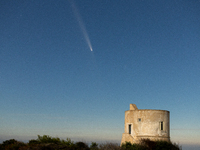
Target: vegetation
[(46, 142), (147, 144)]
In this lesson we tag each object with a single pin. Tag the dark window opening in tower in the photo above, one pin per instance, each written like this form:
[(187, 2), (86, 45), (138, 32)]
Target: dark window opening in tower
[(161, 125), (129, 127)]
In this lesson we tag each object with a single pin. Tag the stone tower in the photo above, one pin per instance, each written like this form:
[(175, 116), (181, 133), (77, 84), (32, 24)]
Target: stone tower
[(145, 123)]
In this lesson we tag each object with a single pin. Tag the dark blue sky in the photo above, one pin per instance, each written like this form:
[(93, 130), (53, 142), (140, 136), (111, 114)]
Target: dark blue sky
[(144, 52)]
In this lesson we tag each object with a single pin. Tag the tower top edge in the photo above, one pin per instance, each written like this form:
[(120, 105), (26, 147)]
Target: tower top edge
[(133, 107)]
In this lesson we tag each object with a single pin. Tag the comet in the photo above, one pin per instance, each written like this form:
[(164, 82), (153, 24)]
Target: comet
[(81, 24)]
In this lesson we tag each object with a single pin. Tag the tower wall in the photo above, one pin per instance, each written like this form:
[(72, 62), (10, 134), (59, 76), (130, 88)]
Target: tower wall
[(146, 123)]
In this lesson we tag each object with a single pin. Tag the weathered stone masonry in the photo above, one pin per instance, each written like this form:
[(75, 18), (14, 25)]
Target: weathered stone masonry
[(145, 123)]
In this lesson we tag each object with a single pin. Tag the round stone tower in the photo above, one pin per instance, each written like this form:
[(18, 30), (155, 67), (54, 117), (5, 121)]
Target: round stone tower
[(145, 123)]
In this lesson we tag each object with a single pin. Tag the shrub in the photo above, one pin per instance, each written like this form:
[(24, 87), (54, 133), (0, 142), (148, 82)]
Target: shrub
[(33, 142), (148, 144), (8, 142), (67, 142), (126, 146), (48, 139), (130, 146), (94, 146), (166, 146), (11, 144), (109, 146), (81, 146), (158, 145)]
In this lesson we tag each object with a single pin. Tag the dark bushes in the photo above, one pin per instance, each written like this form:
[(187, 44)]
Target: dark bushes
[(94, 146), (81, 146), (146, 144), (46, 142), (109, 146), (129, 146), (11, 144)]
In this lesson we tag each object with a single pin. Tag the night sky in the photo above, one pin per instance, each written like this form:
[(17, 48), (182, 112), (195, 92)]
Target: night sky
[(71, 68)]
